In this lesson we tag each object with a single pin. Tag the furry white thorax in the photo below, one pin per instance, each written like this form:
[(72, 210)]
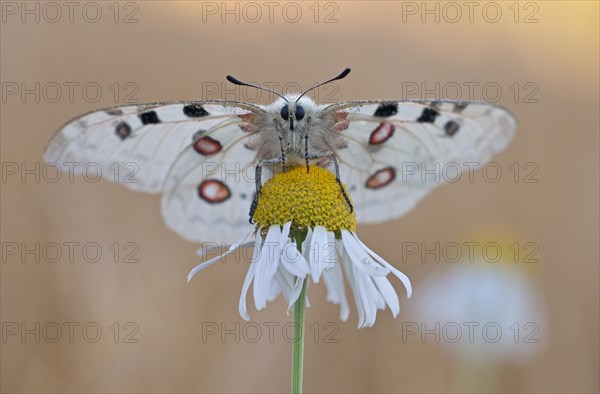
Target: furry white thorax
[(294, 137)]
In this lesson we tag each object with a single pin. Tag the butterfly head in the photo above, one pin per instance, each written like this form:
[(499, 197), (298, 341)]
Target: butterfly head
[(292, 109)]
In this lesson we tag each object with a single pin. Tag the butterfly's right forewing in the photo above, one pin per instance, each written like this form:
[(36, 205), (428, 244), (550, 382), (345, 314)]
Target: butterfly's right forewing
[(393, 153)]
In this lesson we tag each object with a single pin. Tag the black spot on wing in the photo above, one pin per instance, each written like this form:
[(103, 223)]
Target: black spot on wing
[(123, 130), (114, 111), (386, 109), (428, 115), (460, 106), (451, 128), (149, 117), (194, 111)]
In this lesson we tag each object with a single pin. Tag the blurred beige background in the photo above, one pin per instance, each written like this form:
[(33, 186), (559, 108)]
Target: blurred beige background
[(175, 51)]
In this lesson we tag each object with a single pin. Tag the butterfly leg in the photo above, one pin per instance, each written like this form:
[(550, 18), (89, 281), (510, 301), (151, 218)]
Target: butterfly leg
[(280, 135), (258, 181), (333, 158), (308, 124)]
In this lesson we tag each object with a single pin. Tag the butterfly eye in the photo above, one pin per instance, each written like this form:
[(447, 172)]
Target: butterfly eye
[(299, 112), (284, 112)]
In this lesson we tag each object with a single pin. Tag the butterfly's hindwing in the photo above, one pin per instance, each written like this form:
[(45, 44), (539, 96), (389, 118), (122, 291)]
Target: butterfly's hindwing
[(207, 196)]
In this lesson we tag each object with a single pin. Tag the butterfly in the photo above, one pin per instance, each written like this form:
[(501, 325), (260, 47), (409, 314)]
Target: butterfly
[(206, 158)]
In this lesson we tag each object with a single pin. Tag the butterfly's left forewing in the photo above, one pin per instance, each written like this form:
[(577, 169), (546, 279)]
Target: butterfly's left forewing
[(136, 145), (393, 153), (175, 148)]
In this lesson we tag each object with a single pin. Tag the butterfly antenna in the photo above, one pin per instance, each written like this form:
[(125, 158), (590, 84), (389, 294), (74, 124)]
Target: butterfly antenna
[(236, 81), (340, 76)]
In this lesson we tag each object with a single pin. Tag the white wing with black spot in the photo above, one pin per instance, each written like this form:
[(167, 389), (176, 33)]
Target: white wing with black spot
[(136, 145), (393, 153), (186, 150)]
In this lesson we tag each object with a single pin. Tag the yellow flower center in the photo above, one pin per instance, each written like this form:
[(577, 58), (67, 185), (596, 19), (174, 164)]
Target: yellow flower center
[(306, 199)]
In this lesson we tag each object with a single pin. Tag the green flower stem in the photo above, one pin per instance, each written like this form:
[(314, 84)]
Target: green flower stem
[(298, 355)]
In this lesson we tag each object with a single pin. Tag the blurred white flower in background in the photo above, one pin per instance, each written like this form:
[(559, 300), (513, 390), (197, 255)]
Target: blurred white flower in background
[(484, 314), (496, 310)]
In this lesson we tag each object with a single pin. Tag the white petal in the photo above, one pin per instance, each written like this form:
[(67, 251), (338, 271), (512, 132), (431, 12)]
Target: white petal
[(403, 278), (285, 282), (389, 294), (201, 266), (245, 287), (285, 233), (295, 293), (335, 290), (267, 264), (306, 245), (274, 290), (374, 292), (332, 291), (208, 248), (232, 248), (293, 261), (250, 275), (368, 300), (339, 280), (331, 252), (257, 244), (350, 274), (318, 252), (360, 258)]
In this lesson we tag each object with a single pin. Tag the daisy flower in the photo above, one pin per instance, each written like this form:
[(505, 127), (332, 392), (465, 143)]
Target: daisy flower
[(304, 228)]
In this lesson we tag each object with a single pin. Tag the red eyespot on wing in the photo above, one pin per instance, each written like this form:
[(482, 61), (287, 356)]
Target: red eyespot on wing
[(248, 128), (207, 146), (382, 133), (340, 116), (213, 191), (381, 178), (248, 125), (249, 117), (341, 123)]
